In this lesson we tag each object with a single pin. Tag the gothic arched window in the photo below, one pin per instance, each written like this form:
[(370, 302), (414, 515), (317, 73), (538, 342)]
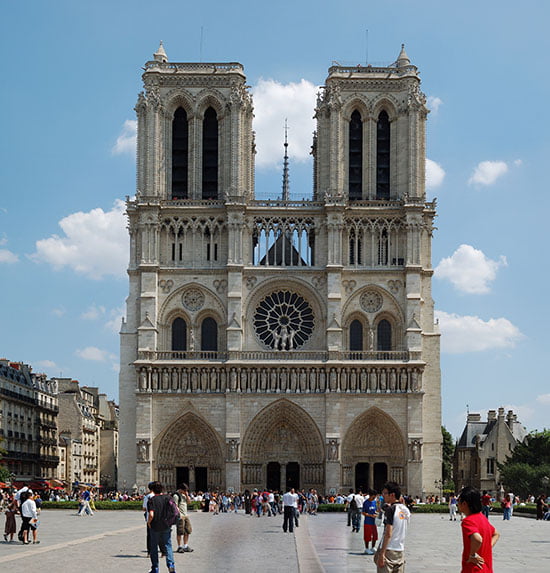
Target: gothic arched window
[(356, 336), (209, 334), (180, 154), (383, 156), (383, 339), (179, 334), (355, 156), (210, 155), (383, 246)]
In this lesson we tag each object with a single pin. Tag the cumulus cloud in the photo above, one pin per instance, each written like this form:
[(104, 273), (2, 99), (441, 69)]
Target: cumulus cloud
[(273, 103), (95, 243), (45, 364), (115, 319), (469, 270), (126, 141), (461, 334), (434, 103), (93, 312), (6, 256), (434, 174), (487, 172), (95, 354)]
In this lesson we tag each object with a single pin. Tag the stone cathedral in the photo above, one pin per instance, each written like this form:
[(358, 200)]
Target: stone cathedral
[(277, 343)]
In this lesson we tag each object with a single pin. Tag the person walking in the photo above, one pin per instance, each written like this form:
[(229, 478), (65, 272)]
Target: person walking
[(506, 505), (453, 507), (370, 534), (29, 515), (290, 506), (10, 526), (478, 535), (159, 509), (485, 504), (183, 526), (390, 555)]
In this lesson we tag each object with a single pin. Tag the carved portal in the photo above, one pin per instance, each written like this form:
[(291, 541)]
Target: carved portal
[(190, 442)]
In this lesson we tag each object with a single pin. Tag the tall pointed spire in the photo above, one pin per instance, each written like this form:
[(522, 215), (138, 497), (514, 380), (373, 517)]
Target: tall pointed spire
[(403, 59), (286, 186)]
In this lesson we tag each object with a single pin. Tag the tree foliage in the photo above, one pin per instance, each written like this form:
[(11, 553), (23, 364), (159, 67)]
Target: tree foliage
[(524, 470), (448, 454), (4, 473)]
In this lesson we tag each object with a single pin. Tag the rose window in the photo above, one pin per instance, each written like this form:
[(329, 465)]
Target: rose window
[(284, 321)]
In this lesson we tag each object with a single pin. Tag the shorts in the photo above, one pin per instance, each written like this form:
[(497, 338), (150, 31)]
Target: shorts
[(370, 533), (183, 526)]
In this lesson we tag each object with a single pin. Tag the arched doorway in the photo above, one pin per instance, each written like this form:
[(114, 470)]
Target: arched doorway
[(373, 451), (190, 451), (282, 437)]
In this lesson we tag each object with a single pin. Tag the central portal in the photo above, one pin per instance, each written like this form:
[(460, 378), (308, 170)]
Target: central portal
[(292, 475)]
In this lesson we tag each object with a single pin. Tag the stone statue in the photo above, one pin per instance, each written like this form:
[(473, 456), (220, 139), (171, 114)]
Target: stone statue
[(143, 451), (333, 450), (233, 450)]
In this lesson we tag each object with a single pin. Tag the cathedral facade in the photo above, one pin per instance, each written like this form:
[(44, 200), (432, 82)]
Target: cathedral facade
[(277, 343)]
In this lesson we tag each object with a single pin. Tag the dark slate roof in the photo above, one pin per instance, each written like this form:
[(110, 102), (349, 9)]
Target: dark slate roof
[(472, 429)]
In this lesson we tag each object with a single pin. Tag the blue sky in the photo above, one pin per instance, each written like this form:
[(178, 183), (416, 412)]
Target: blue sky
[(72, 72)]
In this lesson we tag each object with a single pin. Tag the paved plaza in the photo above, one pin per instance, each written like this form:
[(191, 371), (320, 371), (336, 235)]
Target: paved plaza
[(114, 541)]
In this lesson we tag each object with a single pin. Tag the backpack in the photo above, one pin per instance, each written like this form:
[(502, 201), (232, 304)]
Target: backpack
[(353, 504), (171, 513)]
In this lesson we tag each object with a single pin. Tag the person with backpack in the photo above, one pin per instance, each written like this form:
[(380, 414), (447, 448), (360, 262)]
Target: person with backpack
[(162, 514), (183, 526)]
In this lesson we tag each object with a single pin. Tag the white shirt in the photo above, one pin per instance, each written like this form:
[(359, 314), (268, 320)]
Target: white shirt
[(359, 500), (290, 499), (28, 509), (146, 499)]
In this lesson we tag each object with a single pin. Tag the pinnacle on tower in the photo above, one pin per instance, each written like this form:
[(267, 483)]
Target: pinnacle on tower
[(160, 54), (403, 60)]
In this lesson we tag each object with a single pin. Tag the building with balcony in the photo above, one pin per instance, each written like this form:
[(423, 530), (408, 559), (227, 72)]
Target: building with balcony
[(278, 342), (28, 423), (79, 427), (483, 445)]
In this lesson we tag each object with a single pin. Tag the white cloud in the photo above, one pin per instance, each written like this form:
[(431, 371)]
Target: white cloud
[(273, 103), (59, 312), (46, 364), (114, 322), (487, 172), (434, 103), (7, 256), (126, 141), (518, 162), (95, 243), (461, 334), (544, 399), (434, 174), (93, 312), (95, 354), (469, 270)]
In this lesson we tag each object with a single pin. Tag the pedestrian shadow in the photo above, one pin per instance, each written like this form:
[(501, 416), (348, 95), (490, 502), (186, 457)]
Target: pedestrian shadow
[(128, 556)]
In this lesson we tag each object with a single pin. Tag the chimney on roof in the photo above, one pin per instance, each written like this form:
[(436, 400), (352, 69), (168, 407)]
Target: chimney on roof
[(501, 413), (474, 417), (491, 416)]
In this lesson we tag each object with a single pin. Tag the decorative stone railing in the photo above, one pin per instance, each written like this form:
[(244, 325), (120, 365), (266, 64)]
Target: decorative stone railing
[(291, 355), (205, 67), (279, 379)]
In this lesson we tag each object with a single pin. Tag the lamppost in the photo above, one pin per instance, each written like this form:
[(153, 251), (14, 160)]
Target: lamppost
[(545, 480)]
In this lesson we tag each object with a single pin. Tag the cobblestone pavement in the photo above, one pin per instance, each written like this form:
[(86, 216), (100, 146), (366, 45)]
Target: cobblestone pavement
[(114, 541)]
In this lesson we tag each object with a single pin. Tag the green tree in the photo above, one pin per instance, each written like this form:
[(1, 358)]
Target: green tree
[(448, 454), (524, 470), (4, 473)]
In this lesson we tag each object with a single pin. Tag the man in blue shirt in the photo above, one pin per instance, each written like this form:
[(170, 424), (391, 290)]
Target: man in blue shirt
[(370, 530)]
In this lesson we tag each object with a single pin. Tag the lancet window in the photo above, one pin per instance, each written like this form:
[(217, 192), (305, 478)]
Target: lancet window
[(376, 242), (180, 154), (210, 155), (355, 172), (383, 338), (283, 242), (356, 336), (179, 334), (383, 156), (193, 242), (209, 334)]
